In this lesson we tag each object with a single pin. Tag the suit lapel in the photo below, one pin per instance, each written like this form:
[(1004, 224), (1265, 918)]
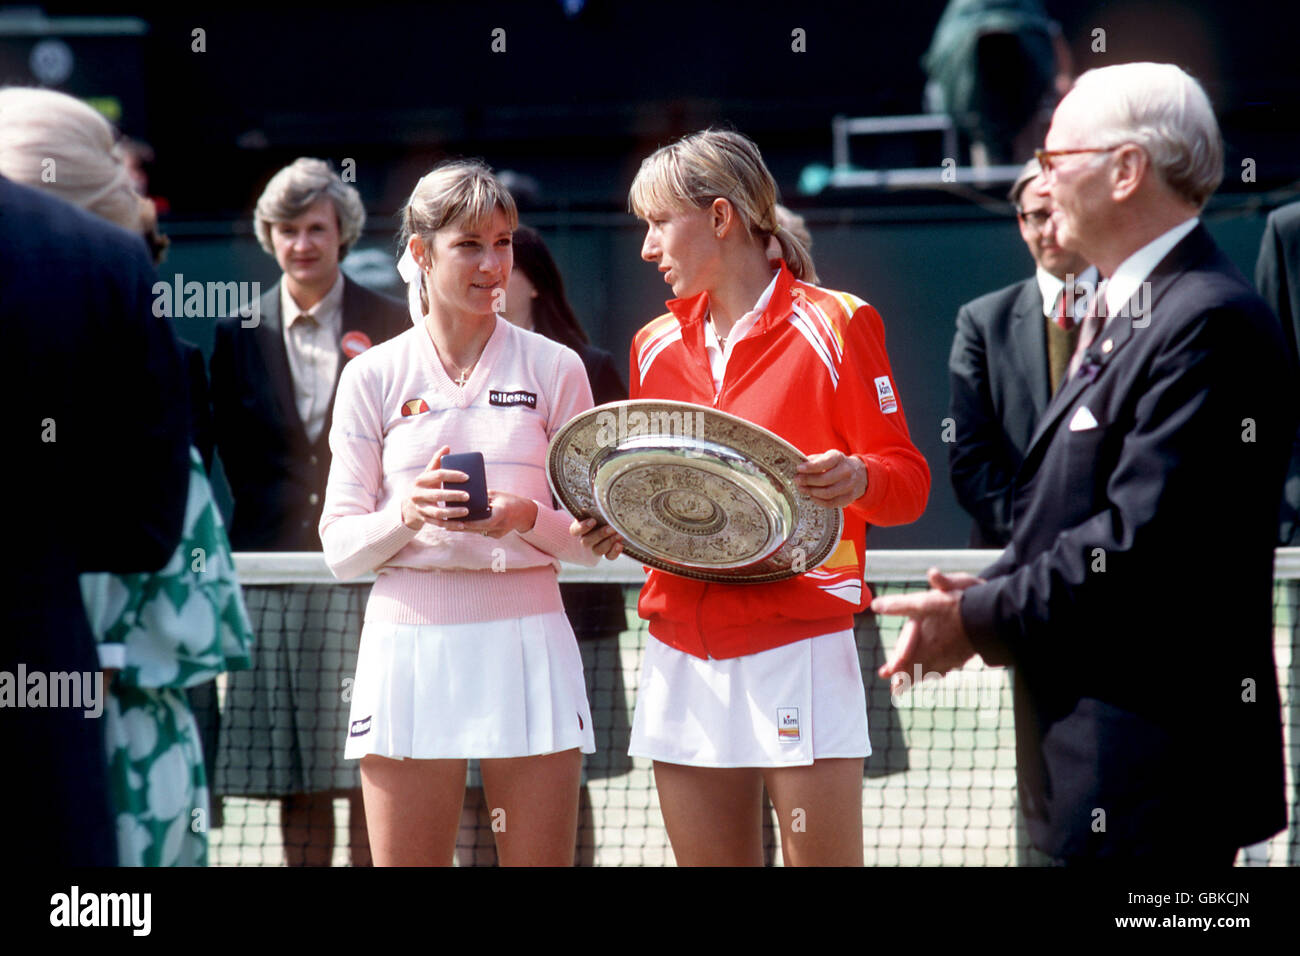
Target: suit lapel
[(1119, 331), (276, 356), (354, 318), (1029, 344)]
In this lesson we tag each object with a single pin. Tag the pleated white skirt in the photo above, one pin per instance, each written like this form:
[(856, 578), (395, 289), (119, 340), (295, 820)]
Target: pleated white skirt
[(511, 688), (786, 706)]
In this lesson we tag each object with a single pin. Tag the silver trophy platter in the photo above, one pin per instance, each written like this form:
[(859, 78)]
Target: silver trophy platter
[(692, 491)]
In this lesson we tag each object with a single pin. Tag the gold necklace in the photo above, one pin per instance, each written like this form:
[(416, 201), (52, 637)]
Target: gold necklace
[(464, 373)]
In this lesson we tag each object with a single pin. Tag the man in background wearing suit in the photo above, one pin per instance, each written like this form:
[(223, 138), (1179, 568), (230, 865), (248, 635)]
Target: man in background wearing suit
[(100, 442), (1147, 713), (273, 388), (1007, 359), (1277, 275)]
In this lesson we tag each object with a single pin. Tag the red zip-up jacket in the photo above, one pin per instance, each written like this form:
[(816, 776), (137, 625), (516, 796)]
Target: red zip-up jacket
[(813, 370)]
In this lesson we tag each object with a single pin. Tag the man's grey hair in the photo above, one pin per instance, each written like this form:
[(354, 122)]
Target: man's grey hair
[(293, 189), (1164, 111), (1031, 171)]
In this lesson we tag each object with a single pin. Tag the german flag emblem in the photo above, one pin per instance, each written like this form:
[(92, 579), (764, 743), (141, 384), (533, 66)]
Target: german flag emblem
[(415, 406)]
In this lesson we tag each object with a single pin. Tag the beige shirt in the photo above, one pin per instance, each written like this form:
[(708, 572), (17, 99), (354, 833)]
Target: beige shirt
[(313, 349)]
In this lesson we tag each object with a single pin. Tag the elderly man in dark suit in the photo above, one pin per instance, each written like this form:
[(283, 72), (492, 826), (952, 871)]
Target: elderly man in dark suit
[(273, 384), (1132, 677), (1008, 357), (98, 405)]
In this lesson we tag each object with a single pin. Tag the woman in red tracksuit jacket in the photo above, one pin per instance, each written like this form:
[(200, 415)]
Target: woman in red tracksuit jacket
[(752, 684)]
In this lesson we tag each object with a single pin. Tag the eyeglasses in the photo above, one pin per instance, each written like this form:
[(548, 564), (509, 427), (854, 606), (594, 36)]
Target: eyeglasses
[(1036, 219), (1044, 156)]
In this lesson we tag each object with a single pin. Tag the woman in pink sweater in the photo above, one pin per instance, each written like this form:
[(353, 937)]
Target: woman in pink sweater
[(466, 651)]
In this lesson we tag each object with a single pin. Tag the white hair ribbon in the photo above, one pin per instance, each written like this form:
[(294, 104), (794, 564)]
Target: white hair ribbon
[(409, 270)]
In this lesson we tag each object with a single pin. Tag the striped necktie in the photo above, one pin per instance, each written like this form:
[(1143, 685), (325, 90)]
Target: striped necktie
[(1064, 315), (1092, 324)]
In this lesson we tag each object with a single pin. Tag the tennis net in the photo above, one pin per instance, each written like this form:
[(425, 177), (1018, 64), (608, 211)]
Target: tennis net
[(939, 788)]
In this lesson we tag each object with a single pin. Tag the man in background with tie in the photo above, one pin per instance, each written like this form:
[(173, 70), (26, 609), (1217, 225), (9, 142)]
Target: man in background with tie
[(273, 383), (1009, 354), (1135, 598)]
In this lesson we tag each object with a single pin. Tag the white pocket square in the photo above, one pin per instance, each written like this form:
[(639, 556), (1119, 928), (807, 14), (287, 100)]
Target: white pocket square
[(1082, 420)]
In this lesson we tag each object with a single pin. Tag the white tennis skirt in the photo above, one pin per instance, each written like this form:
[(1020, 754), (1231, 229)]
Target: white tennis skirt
[(511, 688), (786, 706)]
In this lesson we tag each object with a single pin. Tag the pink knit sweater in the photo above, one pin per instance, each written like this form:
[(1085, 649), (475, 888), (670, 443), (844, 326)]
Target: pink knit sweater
[(396, 406)]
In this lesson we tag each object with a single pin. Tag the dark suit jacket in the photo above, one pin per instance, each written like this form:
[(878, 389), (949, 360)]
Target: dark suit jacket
[(607, 385), (1277, 274), (95, 392), (277, 476), (200, 403), (999, 387), (1135, 600)]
